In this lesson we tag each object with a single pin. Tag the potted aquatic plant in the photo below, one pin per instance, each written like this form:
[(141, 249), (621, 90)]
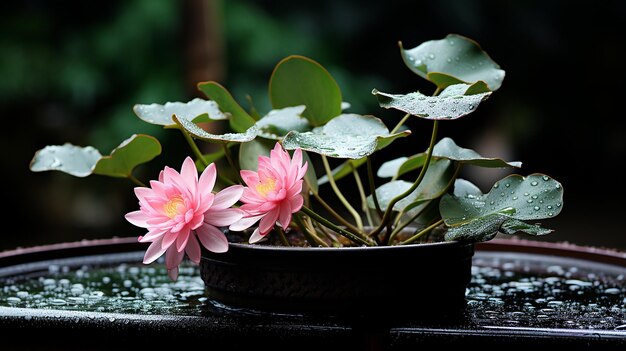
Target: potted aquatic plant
[(265, 235)]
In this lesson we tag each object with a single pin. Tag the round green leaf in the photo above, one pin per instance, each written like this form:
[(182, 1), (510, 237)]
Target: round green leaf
[(240, 121), (277, 123), (298, 80), (249, 153), (436, 181), (346, 136), (454, 59), (390, 168), (132, 152), (162, 114), (75, 160), (450, 104), (471, 215), (202, 134), (447, 148)]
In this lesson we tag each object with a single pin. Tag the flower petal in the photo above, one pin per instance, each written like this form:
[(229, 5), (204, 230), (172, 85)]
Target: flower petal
[(207, 179), (227, 197), (244, 223), (268, 221), (296, 203), (249, 177), (212, 238), (155, 250), (223, 218), (173, 258), (183, 237), (284, 216), (193, 249), (189, 173), (173, 273), (152, 235), (256, 237), (137, 218), (168, 239)]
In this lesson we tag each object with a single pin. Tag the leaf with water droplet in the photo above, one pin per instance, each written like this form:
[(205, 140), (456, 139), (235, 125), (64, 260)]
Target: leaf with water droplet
[(436, 181), (75, 160), (445, 148), (84, 161), (345, 136), (457, 212), (452, 103), (194, 130), (194, 110), (471, 64), (277, 123), (132, 152), (240, 121), (298, 80)]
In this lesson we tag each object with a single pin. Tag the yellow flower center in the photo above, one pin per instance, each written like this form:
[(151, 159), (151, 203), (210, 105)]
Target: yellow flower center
[(173, 207), (266, 186)]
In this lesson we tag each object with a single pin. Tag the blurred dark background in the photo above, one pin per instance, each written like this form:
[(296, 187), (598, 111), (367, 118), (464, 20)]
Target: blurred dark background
[(72, 73)]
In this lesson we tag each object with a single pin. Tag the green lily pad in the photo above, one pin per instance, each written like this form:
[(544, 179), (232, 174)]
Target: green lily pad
[(202, 134), (249, 153), (277, 123), (345, 136), (84, 161), (343, 170), (75, 160), (240, 121), (131, 152), (510, 201), (390, 168), (436, 181), (452, 60), (298, 80), (445, 148), (447, 106), (162, 114)]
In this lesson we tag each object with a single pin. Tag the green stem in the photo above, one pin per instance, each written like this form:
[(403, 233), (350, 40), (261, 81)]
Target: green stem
[(330, 210), (403, 225), (332, 237), (194, 147), (418, 235), (399, 125), (417, 182), (370, 179), (331, 180), (231, 162), (303, 228), (359, 186), (136, 181), (355, 238), (281, 235)]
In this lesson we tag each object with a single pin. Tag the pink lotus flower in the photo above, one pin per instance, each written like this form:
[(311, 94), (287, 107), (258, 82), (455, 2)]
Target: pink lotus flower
[(178, 209), (273, 193)]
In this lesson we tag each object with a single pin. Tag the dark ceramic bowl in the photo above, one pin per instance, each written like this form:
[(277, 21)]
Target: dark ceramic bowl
[(355, 279)]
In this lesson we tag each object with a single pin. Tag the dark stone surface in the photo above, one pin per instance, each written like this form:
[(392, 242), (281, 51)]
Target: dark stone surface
[(515, 301)]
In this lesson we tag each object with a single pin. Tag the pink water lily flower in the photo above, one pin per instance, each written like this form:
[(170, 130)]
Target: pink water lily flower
[(273, 193), (179, 209)]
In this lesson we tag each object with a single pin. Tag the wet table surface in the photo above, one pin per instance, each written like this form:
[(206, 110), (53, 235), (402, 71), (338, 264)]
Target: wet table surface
[(513, 300)]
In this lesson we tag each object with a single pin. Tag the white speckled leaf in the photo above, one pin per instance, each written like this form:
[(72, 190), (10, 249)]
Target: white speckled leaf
[(453, 59), (200, 133), (277, 123), (162, 114), (75, 160), (345, 136), (450, 104), (510, 201)]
